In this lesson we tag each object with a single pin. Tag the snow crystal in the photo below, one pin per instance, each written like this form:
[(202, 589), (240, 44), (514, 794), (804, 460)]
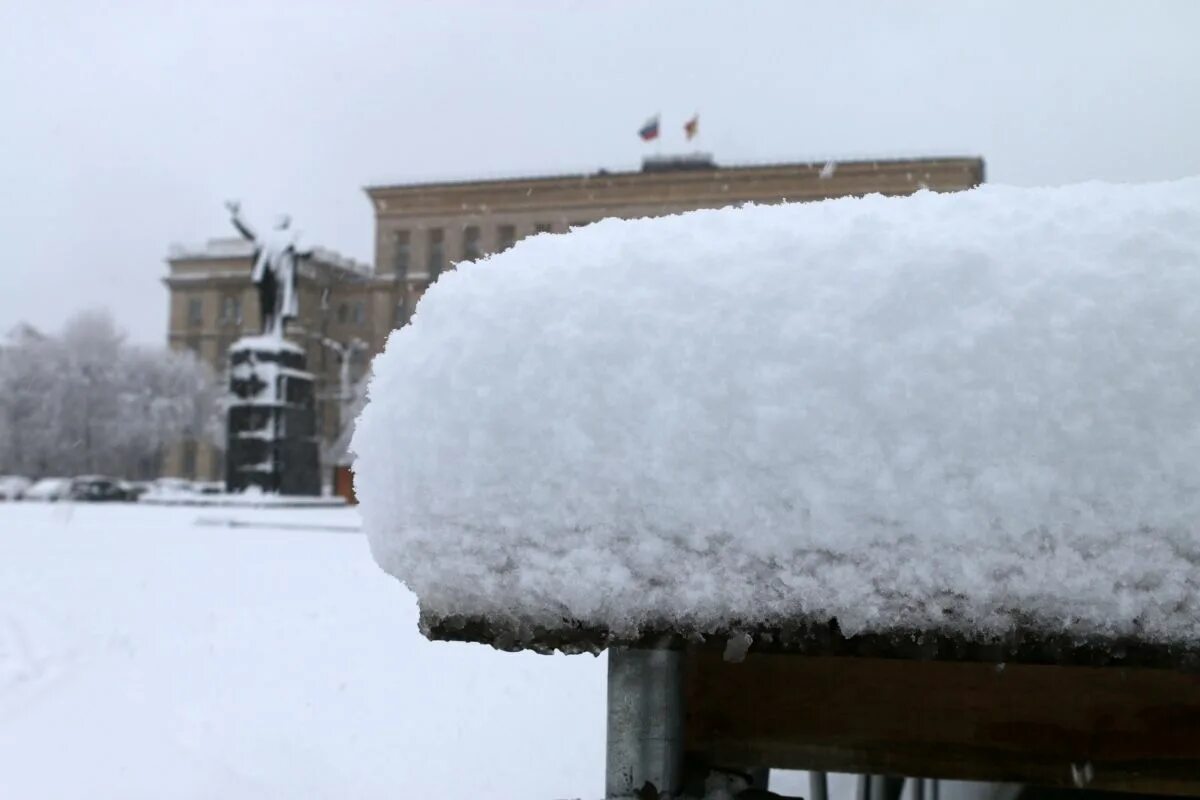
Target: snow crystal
[(958, 412)]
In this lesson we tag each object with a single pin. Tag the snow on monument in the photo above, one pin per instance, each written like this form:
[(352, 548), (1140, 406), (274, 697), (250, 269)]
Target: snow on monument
[(272, 441), (966, 414)]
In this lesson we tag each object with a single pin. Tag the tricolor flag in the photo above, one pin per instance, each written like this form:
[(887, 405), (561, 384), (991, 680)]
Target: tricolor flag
[(650, 129), (692, 127)]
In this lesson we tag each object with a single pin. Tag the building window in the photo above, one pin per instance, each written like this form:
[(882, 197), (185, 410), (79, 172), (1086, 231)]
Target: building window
[(400, 253), (506, 237), (195, 311), (437, 252), (358, 312), (231, 310), (188, 459), (343, 313), (471, 249), (543, 227), (216, 465)]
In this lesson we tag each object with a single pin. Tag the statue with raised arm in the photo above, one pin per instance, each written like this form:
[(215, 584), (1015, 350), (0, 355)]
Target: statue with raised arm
[(275, 260)]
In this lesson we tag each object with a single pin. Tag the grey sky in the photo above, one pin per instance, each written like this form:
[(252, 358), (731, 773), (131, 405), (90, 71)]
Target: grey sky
[(125, 125)]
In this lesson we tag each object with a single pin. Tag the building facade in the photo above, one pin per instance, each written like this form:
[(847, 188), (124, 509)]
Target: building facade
[(424, 229), (213, 302)]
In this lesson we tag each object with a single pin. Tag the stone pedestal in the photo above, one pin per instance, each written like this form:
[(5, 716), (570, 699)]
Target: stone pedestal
[(272, 442)]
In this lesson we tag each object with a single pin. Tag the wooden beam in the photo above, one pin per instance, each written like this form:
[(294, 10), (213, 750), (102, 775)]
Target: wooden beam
[(1103, 727)]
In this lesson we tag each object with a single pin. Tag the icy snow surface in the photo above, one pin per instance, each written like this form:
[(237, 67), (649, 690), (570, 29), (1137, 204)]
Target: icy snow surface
[(965, 413)]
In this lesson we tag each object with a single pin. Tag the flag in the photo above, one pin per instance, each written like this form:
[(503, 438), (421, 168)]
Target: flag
[(649, 130), (692, 127)]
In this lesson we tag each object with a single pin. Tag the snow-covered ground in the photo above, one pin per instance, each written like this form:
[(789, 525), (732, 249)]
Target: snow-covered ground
[(151, 652), (143, 655)]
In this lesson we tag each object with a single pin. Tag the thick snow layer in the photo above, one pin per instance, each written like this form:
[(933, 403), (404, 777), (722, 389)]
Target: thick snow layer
[(143, 655), (963, 412)]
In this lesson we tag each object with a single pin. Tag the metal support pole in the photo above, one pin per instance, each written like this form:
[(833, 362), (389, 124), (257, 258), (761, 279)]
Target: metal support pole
[(818, 786), (879, 787), (885, 787), (645, 722), (918, 788)]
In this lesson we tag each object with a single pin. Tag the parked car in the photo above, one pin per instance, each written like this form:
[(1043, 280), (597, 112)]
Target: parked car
[(172, 485), (98, 489), (49, 490), (13, 487), (210, 487), (135, 489)]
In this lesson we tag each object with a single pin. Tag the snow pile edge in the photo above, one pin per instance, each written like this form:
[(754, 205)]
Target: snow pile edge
[(967, 412)]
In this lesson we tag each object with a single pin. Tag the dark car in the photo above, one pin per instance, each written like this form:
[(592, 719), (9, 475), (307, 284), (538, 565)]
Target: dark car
[(98, 489), (135, 489)]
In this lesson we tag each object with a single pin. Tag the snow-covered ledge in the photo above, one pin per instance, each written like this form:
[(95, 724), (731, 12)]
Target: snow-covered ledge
[(958, 415)]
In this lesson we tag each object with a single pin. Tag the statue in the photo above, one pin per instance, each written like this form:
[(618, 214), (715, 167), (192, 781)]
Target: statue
[(274, 272)]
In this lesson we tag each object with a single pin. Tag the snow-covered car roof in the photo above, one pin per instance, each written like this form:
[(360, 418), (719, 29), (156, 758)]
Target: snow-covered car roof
[(12, 486), (948, 417), (48, 486)]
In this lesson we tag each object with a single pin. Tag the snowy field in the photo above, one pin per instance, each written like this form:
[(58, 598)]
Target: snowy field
[(151, 652), (143, 655)]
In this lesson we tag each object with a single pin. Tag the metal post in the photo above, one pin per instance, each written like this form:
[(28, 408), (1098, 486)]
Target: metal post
[(645, 721), (886, 787), (879, 787), (818, 786), (918, 792), (864, 788)]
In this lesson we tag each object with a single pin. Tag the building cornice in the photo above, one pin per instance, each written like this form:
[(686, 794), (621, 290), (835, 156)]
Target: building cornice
[(700, 187)]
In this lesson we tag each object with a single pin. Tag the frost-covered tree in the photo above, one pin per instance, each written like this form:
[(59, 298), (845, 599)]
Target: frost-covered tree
[(88, 401), (28, 378)]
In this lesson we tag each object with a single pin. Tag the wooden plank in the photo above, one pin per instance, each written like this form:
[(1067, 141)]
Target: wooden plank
[(1110, 728)]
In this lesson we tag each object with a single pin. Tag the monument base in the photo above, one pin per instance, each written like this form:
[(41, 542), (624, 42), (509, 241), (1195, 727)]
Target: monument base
[(271, 431)]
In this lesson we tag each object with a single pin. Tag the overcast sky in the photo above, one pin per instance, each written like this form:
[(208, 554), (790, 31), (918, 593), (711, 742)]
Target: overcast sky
[(126, 124)]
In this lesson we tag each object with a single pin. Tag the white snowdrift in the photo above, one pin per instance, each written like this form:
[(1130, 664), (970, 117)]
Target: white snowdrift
[(966, 413)]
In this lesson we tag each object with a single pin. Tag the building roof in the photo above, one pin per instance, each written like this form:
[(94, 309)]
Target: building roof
[(953, 425), (225, 248), (666, 167), (674, 185)]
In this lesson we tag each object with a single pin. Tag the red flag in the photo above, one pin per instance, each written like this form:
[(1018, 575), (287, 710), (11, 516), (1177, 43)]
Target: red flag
[(692, 127), (649, 130)]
